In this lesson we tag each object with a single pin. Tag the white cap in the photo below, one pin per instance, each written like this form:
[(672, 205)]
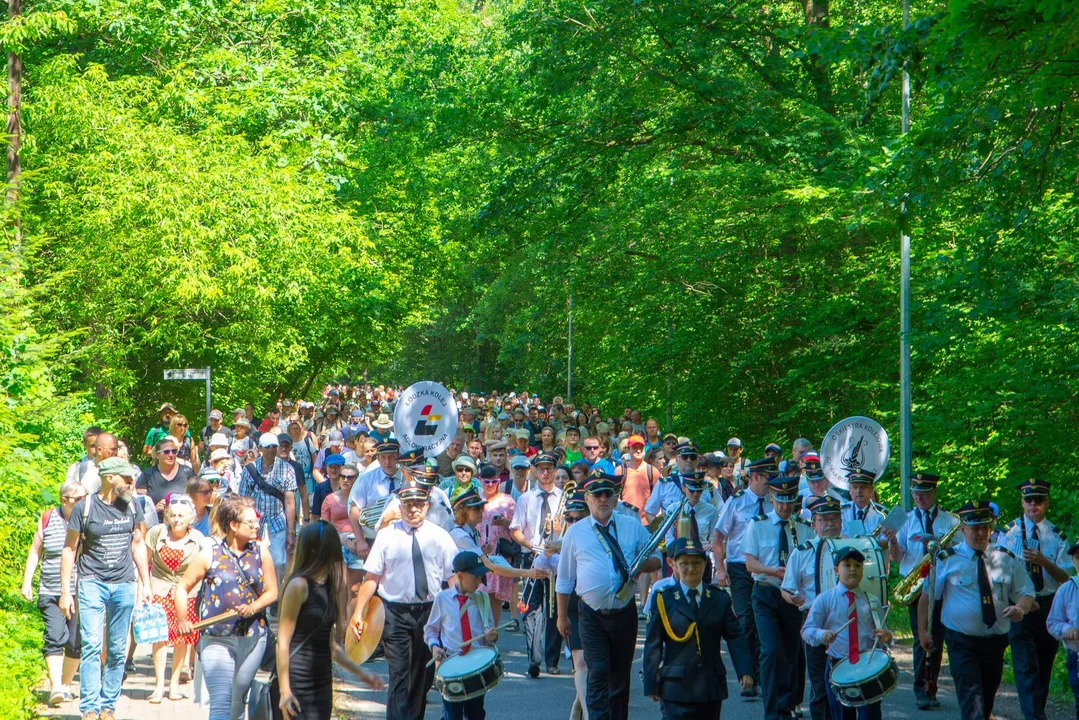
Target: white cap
[(735, 442), (219, 440), (267, 440)]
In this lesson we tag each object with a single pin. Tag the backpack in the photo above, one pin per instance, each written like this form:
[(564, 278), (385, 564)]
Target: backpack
[(84, 466)]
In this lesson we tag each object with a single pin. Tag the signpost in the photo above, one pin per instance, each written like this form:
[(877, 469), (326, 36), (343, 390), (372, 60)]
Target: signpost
[(193, 374)]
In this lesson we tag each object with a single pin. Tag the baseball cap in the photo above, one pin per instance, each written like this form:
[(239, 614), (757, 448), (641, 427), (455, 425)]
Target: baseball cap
[(469, 562), (334, 437), (267, 440), (117, 466), (734, 442), (215, 415), (219, 440), (635, 440), (284, 439), (519, 461)]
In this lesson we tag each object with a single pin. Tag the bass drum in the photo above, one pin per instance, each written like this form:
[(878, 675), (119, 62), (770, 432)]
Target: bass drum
[(463, 677), (874, 572), (868, 681)]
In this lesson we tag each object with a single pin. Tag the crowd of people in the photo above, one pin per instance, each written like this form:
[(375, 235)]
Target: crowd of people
[(579, 524)]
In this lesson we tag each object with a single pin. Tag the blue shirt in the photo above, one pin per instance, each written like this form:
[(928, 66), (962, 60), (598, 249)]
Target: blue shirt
[(322, 491)]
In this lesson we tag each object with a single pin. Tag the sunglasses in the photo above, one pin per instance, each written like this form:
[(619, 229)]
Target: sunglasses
[(348, 477), (591, 447), (572, 520), (491, 482), (207, 491), (602, 494), (173, 451), (181, 424)]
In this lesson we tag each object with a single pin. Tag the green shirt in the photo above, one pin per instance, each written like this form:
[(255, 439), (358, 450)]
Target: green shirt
[(157, 432), (573, 456)]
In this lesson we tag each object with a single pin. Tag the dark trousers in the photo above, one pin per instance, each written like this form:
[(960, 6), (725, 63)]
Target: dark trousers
[(406, 658), (467, 710), (542, 639), (690, 711), (817, 664), (742, 602), (779, 624), (609, 639), (1072, 663), (838, 710), (1033, 653), (926, 667), (976, 664)]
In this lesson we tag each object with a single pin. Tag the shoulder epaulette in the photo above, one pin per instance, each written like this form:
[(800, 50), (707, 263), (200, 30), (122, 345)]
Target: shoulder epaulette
[(761, 517), (740, 493), (1009, 526), (945, 554), (1005, 550), (807, 545), (1061, 535)]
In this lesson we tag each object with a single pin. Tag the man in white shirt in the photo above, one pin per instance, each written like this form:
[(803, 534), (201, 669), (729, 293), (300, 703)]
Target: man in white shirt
[(407, 564), (535, 522), (84, 470), (596, 562), (862, 516), (373, 489)]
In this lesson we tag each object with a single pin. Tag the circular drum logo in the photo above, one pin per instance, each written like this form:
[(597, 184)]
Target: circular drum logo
[(425, 418), (857, 443)]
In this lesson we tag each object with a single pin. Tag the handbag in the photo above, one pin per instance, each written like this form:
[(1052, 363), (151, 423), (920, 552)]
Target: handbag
[(269, 655), (508, 549), (259, 702), (150, 624)]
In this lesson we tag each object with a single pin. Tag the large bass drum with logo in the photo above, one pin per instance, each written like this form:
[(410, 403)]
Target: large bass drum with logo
[(874, 571), (865, 682)]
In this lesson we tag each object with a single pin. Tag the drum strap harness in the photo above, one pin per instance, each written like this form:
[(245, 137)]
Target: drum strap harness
[(691, 630)]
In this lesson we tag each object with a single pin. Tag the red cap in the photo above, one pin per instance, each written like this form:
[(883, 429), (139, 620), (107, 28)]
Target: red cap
[(635, 440)]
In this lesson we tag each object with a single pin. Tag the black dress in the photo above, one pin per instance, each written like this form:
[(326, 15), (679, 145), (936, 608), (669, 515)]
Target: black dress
[(310, 671)]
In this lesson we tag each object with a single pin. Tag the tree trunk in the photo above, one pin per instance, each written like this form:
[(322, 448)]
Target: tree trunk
[(816, 14)]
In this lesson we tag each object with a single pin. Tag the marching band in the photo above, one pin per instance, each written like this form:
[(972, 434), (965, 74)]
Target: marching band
[(790, 569)]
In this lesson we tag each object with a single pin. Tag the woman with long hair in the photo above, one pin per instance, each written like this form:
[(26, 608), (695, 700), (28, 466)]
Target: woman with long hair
[(306, 642), (188, 452), (172, 546), (239, 575)]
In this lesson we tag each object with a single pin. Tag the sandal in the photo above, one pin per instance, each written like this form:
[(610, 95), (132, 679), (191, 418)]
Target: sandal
[(177, 696), (156, 697)]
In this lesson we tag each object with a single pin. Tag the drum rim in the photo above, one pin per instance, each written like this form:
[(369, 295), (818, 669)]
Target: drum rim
[(846, 662), (478, 653), (440, 681), (846, 702)]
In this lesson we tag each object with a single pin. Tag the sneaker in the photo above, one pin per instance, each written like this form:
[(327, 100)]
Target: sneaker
[(533, 671), (55, 698), (90, 715), (129, 666), (924, 703), (553, 670)]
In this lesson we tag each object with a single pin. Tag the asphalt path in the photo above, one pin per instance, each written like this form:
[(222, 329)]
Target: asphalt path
[(522, 698)]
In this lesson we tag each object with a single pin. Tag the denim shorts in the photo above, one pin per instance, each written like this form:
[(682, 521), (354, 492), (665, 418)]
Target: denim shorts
[(352, 560)]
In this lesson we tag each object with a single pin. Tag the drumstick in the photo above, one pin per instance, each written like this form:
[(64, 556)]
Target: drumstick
[(466, 643), (227, 615), (876, 640)]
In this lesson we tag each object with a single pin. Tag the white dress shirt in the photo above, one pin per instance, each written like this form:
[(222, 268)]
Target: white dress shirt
[(706, 515), (739, 511), (1049, 541), (372, 485), (391, 559), (1064, 613), (439, 510), (585, 566), (870, 518), (801, 575), (698, 588), (526, 517), (830, 611), (762, 541), (666, 494), (957, 589), (914, 550), (444, 623), (466, 538)]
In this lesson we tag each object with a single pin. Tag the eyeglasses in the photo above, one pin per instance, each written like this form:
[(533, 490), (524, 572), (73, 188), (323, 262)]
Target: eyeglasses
[(670, 442), (171, 451), (181, 424), (602, 494), (207, 491), (254, 522), (74, 498), (491, 482)]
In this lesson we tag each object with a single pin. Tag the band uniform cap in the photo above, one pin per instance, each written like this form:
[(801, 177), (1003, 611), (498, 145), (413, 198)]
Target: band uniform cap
[(695, 481), (464, 461), (467, 498), (848, 553), (545, 458), (976, 512), (763, 465), (267, 440), (576, 502), (383, 422), (599, 481), (924, 481), (734, 442), (165, 406), (686, 546), (334, 437), (861, 475), (772, 447), (469, 562), (496, 445), (412, 490), (520, 461), (1034, 488), (635, 439), (411, 458), (815, 475), (824, 505), (784, 488), (388, 446), (216, 415), (688, 450), (335, 459), (117, 466)]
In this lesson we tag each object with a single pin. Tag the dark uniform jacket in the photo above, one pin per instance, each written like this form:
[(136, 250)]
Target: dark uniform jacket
[(675, 671)]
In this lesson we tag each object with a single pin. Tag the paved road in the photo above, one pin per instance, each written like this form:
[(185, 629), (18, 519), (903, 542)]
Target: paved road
[(548, 697)]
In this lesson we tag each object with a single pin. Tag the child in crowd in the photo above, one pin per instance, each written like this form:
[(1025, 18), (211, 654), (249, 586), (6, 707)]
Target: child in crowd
[(825, 626)]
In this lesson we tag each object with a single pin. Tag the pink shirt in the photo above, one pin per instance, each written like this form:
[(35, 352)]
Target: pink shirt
[(334, 512)]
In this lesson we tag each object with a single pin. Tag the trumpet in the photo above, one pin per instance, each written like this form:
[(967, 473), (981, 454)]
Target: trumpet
[(906, 591)]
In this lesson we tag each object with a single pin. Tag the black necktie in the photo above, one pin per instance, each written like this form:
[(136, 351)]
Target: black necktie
[(693, 520), (927, 522), (816, 572), (860, 514), (545, 512), (418, 569), (693, 598), (616, 552), (1036, 575), (760, 506), (784, 546), (985, 591)]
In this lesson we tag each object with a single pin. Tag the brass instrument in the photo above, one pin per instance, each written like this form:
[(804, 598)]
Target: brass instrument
[(547, 538), (371, 514), (908, 588), (669, 519)]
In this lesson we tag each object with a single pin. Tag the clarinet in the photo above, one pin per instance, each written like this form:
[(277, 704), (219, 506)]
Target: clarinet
[(1023, 543)]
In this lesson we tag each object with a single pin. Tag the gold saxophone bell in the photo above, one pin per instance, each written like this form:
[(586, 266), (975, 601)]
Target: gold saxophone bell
[(907, 590)]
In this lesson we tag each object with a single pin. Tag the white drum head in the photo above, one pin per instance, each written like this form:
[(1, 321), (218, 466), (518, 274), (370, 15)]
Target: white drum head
[(868, 665), (874, 571), (462, 665)]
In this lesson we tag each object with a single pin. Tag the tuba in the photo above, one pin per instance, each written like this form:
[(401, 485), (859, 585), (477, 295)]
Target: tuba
[(906, 591), (626, 591)]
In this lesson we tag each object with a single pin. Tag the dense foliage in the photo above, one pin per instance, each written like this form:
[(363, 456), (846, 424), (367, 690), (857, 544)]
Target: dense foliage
[(285, 191)]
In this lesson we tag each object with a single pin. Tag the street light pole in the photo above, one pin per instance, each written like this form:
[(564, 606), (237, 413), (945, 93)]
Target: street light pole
[(905, 441), (569, 353)]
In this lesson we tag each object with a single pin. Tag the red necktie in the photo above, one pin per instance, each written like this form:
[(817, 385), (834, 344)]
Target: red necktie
[(466, 627), (852, 629)]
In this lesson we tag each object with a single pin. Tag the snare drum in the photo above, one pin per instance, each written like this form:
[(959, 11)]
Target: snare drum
[(463, 677), (869, 680), (874, 571)]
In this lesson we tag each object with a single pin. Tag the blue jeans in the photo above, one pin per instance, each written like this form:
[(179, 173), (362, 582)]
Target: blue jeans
[(467, 710), (1072, 662), (842, 712), (100, 604)]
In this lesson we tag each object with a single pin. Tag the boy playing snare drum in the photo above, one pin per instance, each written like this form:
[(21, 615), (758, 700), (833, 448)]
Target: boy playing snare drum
[(827, 621), (456, 618)]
